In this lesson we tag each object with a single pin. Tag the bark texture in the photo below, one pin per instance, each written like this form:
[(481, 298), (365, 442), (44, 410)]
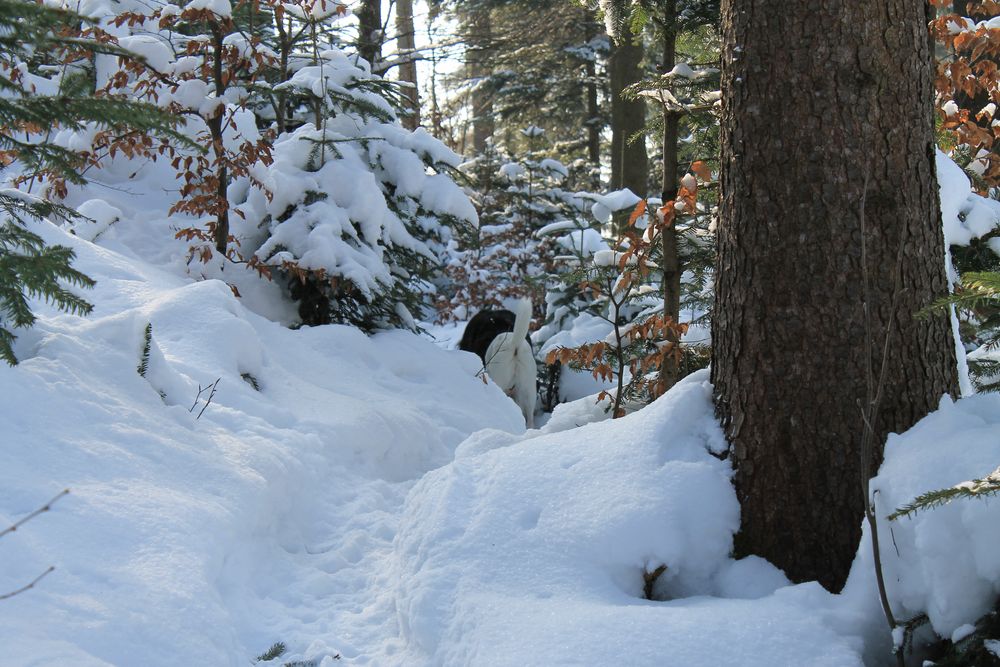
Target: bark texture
[(629, 162), (408, 68), (825, 105), (370, 32)]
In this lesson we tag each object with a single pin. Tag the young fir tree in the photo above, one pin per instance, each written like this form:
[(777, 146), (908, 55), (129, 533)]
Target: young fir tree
[(356, 211), (33, 103)]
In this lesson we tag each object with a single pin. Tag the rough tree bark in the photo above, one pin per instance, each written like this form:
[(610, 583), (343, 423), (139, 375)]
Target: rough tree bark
[(825, 106), (370, 31), (629, 163), (406, 42)]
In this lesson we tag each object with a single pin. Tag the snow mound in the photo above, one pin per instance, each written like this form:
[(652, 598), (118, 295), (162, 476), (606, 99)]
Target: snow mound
[(946, 560), (964, 214), (533, 552)]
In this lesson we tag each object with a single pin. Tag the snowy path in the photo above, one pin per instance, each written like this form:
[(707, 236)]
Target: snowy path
[(203, 541), (327, 582)]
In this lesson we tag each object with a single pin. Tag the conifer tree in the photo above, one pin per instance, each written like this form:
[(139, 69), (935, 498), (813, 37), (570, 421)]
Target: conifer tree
[(795, 252), (32, 104), (355, 212)]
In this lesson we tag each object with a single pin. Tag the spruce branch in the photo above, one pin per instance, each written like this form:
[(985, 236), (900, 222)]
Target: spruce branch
[(276, 651), (147, 344), (977, 488)]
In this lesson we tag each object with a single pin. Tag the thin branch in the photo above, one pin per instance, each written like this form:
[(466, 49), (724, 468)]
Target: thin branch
[(26, 587), (211, 395), (41, 510), (197, 398), (869, 412)]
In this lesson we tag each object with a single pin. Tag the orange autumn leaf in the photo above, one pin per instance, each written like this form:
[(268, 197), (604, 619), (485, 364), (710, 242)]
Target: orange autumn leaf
[(701, 169), (640, 208)]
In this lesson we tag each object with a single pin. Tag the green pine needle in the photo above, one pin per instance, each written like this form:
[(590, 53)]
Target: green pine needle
[(147, 344), (977, 488), (276, 651)]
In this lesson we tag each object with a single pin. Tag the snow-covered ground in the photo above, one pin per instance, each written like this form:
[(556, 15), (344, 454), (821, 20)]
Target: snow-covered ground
[(372, 501)]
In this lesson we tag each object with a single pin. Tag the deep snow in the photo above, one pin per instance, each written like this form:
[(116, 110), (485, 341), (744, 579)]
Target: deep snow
[(377, 503)]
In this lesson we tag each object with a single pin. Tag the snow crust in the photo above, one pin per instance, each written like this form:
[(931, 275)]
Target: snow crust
[(375, 500)]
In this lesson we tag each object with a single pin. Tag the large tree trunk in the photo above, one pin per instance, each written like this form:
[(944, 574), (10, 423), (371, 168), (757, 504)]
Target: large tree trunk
[(629, 163), (853, 153), (370, 31), (406, 43)]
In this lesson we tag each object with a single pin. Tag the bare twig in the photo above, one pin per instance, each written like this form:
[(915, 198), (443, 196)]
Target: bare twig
[(869, 413), (211, 395), (13, 528), (41, 510), (29, 586), (649, 580)]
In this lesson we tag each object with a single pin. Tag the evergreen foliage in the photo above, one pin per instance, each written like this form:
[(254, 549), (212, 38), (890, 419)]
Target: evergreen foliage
[(514, 253), (30, 269), (276, 651), (536, 64), (147, 342), (356, 210), (978, 297), (977, 488), (251, 380), (981, 648)]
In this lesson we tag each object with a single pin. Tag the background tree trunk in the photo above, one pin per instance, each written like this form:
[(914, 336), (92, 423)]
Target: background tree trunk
[(594, 121), (479, 37), (406, 43), (629, 163), (370, 31), (788, 332), (670, 261)]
